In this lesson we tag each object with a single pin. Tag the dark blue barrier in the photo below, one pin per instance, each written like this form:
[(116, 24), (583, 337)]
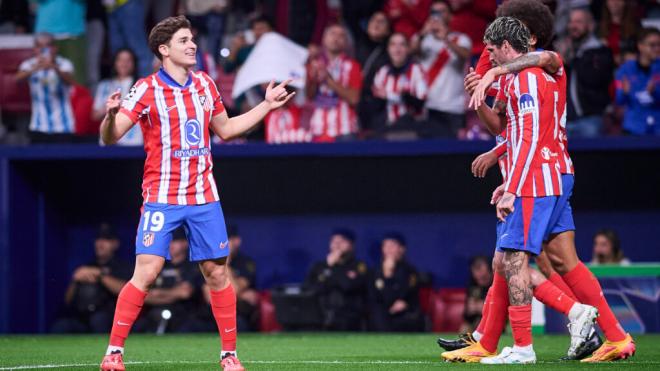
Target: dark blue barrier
[(286, 199)]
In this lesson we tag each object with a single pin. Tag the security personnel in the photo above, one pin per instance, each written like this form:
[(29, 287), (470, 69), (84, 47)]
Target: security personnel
[(393, 290), (340, 284)]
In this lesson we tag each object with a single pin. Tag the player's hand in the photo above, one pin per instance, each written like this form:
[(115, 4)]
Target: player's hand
[(479, 93), (505, 206), (482, 163), (398, 306), (471, 80), (277, 96), (113, 102), (497, 194)]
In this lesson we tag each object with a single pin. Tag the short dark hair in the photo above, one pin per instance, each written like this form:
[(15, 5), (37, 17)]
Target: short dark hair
[(511, 30), (106, 232), (345, 233), (646, 32), (534, 14), (262, 19), (397, 237), (163, 31)]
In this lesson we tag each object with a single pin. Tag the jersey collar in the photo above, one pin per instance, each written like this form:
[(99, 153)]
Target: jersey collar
[(170, 81)]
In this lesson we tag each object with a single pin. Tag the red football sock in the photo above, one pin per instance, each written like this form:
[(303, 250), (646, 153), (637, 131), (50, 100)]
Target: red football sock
[(223, 305), (550, 295), (493, 328), (520, 317), (485, 312), (588, 291), (559, 282), (129, 304)]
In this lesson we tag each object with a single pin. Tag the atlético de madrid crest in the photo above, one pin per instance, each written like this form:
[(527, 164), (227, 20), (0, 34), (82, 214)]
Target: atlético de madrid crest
[(148, 239), (205, 102)]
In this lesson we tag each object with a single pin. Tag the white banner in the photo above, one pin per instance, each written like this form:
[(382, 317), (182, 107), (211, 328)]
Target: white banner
[(274, 57)]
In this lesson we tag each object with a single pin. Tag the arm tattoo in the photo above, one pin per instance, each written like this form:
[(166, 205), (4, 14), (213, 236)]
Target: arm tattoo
[(522, 62), (518, 279)]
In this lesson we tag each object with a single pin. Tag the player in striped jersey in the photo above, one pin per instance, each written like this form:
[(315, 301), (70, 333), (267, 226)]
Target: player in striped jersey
[(175, 109), (533, 181), (401, 82), (560, 241)]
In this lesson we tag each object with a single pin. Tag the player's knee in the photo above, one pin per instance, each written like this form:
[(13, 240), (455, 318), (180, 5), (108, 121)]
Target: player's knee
[(217, 278), (498, 264), (145, 277), (536, 277)]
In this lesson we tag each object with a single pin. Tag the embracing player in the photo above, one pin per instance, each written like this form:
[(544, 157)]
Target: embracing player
[(176, 107)]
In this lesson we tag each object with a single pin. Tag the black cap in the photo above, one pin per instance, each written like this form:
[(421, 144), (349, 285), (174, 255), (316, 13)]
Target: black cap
[(179, 234), (345, 233), (107, 232), (232, 231), (396, 236)]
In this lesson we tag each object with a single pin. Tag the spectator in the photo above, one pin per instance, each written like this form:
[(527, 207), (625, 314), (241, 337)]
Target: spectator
[(401, 84), (95, 28), (618, 28), (481, 277), (92, 292), (123, 77), (471, 17), (241, 48), (174, 290), (209, 18), (443, 55), (607, 249), (126, 30), (340, 284), (50, 77), (333, 82), (393, 290), (407, 16), (243, 271), (239, 52), (637, 86), (65, 20), (371, 53), (283, 125), (590, 70)]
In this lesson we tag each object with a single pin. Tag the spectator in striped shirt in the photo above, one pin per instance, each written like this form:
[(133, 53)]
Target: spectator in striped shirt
[(123, 78), (333, 83), (50, 77), (444, 54), (401, 84)]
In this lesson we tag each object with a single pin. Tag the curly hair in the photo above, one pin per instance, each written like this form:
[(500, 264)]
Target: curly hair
[(509, 29), (534, 14)]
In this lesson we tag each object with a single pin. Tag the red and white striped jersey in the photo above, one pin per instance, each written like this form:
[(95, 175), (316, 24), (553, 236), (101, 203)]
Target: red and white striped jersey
[(533, 151), (333, 116), (566, 164), (175, 125), (410, 79), (283, 126)]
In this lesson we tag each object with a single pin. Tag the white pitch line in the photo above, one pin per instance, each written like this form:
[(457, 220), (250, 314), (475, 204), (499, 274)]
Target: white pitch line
[(301, 362)]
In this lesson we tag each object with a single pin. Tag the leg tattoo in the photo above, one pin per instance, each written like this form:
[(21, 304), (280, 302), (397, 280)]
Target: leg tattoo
[(518, 278)]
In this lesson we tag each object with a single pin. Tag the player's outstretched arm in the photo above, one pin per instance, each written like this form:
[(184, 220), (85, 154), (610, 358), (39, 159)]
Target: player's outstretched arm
[(115, 124), (547, 60), (229, 128)]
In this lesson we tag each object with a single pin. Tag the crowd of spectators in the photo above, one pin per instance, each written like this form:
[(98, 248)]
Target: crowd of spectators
[(375, 69)]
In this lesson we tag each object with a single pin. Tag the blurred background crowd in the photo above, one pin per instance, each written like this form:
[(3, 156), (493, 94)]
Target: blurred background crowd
[(339, 293), (366, 69)]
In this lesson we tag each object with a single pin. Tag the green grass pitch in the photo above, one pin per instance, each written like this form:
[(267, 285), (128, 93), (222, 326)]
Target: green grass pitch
[(290, 351)]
